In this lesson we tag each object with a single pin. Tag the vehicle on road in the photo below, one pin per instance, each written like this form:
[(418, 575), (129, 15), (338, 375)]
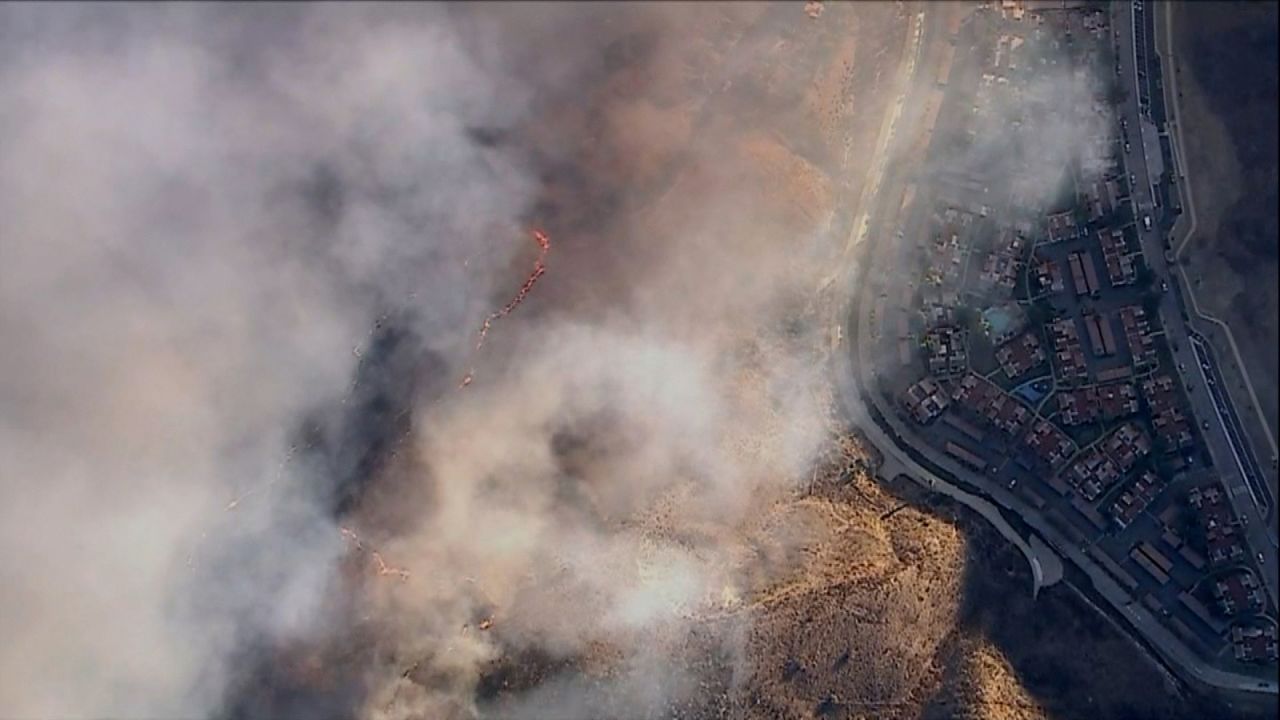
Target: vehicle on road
[(1146, 222)]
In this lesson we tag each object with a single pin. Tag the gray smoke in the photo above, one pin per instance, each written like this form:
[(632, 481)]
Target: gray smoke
[(246, 251)]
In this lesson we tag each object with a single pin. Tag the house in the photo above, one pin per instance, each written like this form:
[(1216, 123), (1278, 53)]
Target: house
[(1018, 357), (945, 353), (1216, 518), (1120, 266), (1126, 445), (1238, 592), (1067, 352), (1101, 337), (1134, 499), (1252, 643), (926, 400), (1083, 273), (1172, 429), (1062, 226), (1050, 445), (1092, 473), (1049, 276), (1138, 333), (992, 405)]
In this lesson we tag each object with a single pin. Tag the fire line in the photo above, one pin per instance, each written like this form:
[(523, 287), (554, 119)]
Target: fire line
[(382, 566), (539, 268)]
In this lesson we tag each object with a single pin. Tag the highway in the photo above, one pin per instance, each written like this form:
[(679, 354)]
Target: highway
[(855, 379), (1124, 17)]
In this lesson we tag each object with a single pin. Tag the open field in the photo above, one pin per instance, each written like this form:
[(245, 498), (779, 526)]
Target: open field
[(1227, 79)]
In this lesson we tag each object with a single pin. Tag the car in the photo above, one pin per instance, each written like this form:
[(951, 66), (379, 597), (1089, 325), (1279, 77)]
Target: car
[(1204, 424), (1182, 367), (1128, 147)]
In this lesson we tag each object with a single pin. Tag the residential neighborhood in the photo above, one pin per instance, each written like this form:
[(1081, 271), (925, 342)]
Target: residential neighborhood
[(1032, 347)]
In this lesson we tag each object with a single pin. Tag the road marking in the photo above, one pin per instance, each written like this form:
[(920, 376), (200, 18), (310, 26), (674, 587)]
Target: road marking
[(1213, 402)]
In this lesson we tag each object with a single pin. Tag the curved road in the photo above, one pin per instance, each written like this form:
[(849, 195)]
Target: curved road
[(1045, 562), (1046, 568)]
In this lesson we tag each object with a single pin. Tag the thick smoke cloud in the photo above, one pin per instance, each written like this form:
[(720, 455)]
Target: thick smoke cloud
[(246, 251), (206, 209), (1037, 115)]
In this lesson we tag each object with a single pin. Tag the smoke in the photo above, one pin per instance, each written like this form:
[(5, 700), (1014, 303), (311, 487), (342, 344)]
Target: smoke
[(206, 210), (246, 253), (1040, 116)]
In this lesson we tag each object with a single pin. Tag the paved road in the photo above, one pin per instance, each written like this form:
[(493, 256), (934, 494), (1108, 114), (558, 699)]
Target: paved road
[(1046, 567), (855, 382), (1172, 314), (1182, 232)]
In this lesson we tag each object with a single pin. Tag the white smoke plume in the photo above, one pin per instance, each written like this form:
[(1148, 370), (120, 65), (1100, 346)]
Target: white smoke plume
[(234, 237), (246, 251)]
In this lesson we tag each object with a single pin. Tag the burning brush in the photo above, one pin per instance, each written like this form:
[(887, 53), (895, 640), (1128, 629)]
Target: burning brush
[(539, 267), (382, 567)]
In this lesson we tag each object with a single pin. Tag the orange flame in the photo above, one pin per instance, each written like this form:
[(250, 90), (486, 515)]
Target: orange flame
[(382, 566), (539, 267)]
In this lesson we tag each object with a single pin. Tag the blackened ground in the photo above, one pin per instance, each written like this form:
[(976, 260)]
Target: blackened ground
[(342, 453), (378, 412), (312, 683)]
